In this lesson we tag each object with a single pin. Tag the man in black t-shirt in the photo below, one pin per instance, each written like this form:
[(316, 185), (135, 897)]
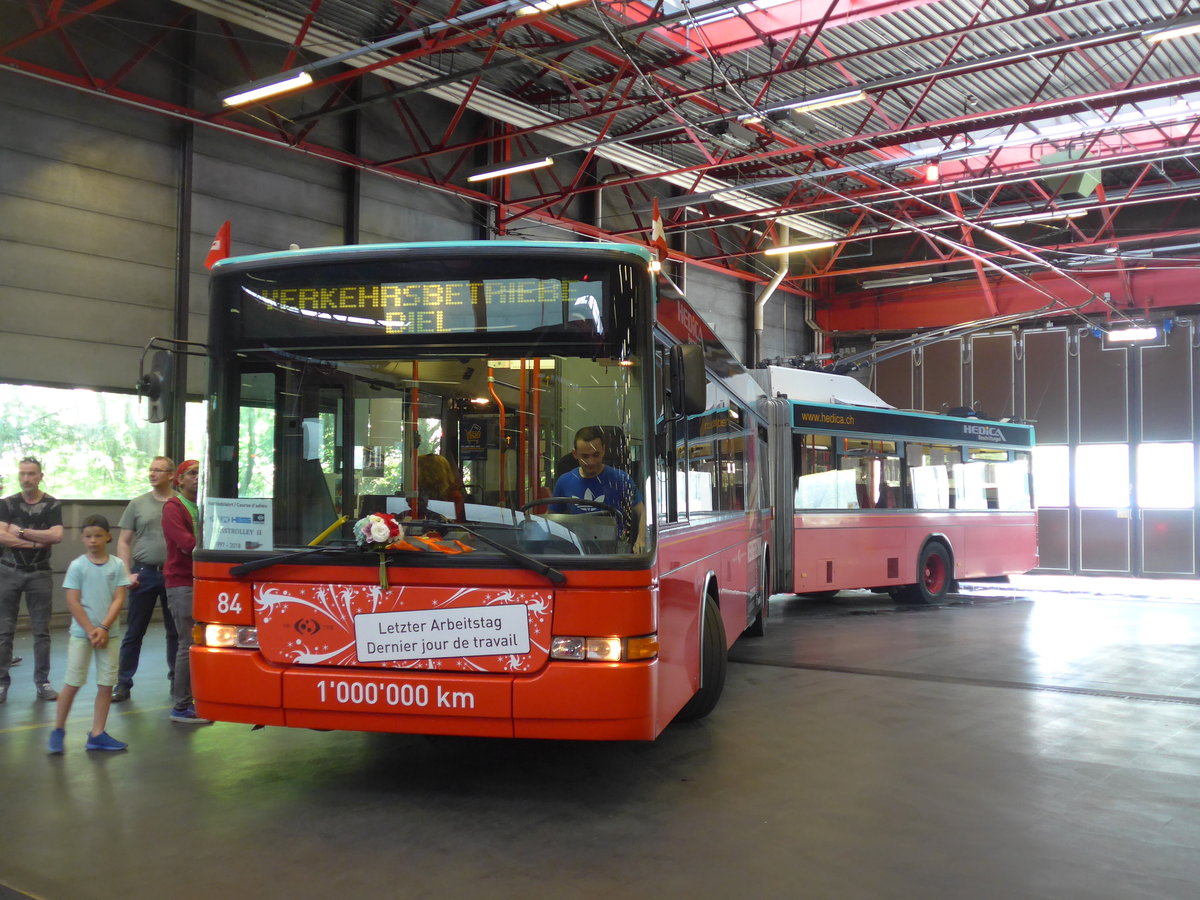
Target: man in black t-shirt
[(30, 524)]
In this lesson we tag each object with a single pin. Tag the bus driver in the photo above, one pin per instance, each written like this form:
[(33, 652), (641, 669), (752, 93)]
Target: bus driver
[(593, 480)]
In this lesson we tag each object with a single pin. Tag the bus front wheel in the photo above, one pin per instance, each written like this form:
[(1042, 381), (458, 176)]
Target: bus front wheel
[(933, 576), (713, 662)]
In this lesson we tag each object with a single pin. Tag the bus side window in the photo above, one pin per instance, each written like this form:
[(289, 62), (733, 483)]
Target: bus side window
[(892, 486), (862, 482), (818, 484), (877, 472)]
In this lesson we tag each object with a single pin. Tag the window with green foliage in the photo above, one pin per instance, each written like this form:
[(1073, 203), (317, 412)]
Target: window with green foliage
[(93, 445)]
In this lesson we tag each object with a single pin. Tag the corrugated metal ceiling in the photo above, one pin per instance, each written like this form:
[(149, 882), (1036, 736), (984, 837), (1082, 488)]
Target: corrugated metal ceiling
[(639, 100)]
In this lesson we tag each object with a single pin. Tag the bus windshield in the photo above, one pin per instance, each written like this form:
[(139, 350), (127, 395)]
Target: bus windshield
[(443, 390)]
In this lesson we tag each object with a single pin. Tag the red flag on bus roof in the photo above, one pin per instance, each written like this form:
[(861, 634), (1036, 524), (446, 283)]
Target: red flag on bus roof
[(220, 247)]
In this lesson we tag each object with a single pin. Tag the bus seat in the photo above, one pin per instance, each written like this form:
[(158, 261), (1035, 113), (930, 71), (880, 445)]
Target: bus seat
[(864, 497)]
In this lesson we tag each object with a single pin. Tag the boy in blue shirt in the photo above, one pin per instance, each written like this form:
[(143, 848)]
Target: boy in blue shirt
[(95, 584)]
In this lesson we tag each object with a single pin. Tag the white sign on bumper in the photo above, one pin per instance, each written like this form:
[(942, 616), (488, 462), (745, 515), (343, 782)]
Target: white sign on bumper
[(439, 633)]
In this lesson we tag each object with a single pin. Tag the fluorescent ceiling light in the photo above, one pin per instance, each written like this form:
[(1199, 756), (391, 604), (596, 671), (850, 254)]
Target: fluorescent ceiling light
[(292, 79), (898, 282), (270, 89), (1183, 28), (1138, 333), (800, 248), (544, 6), (808, 104), (825, 102), (510, 169), (1038, 217)]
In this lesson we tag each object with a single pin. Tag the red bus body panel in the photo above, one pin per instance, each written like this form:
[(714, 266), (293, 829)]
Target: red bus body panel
[(844, 550), (493, 696), (295, 680)]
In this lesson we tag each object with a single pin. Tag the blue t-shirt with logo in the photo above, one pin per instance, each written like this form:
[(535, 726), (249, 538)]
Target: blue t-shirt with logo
[(611, 486)]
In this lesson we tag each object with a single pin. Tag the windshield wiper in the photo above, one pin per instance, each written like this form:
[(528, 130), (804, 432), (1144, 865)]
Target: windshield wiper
[(521, 559), (255, 564)]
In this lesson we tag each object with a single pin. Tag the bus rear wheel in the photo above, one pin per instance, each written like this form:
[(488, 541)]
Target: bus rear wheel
[(713, 662), (933, 576)]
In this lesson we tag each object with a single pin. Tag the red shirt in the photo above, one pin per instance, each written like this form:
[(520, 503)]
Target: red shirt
[(181, 541)]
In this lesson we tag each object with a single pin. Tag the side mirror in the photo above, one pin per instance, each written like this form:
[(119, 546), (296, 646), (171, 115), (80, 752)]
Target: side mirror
[(156, 386), (687, 373)]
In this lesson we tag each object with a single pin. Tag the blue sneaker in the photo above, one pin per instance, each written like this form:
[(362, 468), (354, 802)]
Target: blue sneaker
[(188, 716), (56, 740), (104, 741)]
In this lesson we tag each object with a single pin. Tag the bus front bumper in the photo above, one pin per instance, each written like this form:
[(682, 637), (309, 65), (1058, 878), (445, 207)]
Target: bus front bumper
[(564, 701)]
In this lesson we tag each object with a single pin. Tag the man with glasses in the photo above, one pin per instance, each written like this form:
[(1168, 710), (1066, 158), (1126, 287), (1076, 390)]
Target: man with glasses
[(30, 525), (143, 550)]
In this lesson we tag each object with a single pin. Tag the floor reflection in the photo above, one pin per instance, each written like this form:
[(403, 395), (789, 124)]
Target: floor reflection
[(1109, 636)]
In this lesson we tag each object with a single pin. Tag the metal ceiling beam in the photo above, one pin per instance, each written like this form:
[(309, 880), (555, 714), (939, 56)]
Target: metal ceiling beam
[(797, 173), (1043, 50)]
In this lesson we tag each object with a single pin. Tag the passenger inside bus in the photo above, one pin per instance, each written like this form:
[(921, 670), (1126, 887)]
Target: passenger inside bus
[(436, 480)]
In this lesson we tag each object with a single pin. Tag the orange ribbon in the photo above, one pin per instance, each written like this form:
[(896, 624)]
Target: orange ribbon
[(433, 542)]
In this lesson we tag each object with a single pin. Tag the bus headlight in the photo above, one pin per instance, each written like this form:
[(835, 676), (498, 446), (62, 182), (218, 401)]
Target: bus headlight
[(568, 648), (240, 636), (604, 649)]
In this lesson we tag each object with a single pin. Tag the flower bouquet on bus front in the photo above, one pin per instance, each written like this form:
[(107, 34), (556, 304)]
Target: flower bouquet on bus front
[(374, 534), (376, 531)]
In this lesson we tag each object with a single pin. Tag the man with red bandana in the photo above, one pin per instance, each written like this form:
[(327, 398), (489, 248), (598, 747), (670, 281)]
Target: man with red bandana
[(181, 530)]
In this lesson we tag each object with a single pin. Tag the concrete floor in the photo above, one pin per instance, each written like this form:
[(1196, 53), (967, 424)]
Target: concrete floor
[(1018, 743)]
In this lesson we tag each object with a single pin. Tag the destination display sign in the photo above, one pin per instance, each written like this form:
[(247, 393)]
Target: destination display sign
[(440, 307), (889, 423)]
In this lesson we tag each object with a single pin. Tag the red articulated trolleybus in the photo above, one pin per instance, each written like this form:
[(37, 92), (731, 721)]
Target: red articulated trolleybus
[(900, 501), (499, 488), (520, 489)]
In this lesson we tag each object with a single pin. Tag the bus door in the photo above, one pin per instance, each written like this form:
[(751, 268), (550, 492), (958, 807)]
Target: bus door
[(312, 478), (778, 412)]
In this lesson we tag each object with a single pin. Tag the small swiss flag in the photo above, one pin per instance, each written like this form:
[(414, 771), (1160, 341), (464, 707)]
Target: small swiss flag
[(658, 235), (220, 247)]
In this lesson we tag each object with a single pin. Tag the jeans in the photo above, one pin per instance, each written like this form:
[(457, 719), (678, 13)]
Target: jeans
[(179, 599), (148, 594), (36, 586)]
